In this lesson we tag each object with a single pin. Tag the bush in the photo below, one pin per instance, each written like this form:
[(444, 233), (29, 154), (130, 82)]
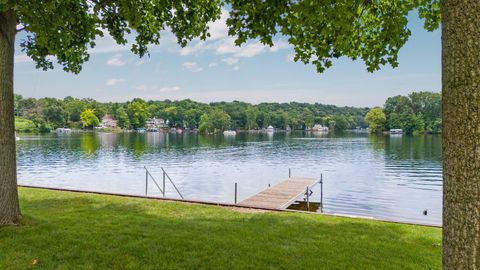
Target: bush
[(24, 125)]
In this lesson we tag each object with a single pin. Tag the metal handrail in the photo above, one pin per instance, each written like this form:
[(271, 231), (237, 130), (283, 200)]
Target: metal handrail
[(162, 190), (154, 181), (173, 184)]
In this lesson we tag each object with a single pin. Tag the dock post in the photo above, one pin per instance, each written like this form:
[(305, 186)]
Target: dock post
[(235, 200), (163, 191), (308, 199), (289, 172), (146, 181), (321, 192)]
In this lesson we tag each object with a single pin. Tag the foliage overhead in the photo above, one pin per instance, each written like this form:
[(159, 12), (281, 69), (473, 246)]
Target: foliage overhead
[(320, 31), (371, 30), (67, 29)]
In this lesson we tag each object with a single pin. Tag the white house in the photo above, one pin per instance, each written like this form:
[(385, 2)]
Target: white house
[(155, 124), (108, 122)]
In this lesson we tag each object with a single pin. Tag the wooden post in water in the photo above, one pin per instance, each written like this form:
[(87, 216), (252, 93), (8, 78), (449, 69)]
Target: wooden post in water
[(289, 172), (235, 200)]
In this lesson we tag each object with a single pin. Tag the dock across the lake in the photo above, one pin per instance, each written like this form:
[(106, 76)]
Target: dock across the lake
[(281, 195)]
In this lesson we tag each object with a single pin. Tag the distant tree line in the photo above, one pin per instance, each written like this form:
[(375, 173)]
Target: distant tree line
[(416, 113), (44, 114)]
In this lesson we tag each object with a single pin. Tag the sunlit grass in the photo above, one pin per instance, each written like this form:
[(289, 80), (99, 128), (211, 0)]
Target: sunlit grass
[(63, 230)]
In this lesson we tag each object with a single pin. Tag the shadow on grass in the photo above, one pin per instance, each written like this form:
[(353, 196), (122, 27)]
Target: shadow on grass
[(73, 230)]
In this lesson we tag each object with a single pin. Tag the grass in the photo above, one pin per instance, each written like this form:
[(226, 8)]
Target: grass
[(63, 230)]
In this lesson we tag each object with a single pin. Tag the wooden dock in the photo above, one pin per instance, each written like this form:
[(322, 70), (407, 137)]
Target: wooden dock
[(281, 195)]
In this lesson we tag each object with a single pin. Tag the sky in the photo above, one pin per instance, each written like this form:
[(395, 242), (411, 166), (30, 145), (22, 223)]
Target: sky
[(217, 70)]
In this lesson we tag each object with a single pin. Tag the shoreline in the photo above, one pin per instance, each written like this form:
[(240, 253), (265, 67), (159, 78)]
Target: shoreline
[(229, 205)]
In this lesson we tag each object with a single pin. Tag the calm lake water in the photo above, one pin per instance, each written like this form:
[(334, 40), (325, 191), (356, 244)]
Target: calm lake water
[(389, 177)]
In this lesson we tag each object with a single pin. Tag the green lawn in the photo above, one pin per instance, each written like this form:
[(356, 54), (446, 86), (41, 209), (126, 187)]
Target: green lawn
[(63, 230)]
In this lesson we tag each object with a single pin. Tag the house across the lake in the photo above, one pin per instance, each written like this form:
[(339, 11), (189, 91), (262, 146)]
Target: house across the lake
[(108, 122), (155, 124)]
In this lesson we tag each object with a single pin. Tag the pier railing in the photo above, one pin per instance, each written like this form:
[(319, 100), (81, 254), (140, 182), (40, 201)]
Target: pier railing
[(148, 176)]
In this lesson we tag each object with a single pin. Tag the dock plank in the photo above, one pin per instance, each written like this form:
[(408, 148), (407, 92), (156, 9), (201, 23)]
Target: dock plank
[(281, 195)]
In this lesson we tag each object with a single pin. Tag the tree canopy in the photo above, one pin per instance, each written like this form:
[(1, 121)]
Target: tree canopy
[(187, 113), (373, 31), (375, 119), (88, 118)]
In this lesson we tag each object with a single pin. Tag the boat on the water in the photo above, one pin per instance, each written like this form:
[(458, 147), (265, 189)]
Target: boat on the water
[(396, 131), (63, 130), (319, 128), (229, 133), (16, 137), (270, 129)]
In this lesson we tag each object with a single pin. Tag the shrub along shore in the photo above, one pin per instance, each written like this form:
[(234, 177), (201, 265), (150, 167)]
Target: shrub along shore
[(69, 230)]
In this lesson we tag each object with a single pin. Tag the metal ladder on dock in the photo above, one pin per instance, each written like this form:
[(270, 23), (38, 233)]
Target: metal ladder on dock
[(164, 178)]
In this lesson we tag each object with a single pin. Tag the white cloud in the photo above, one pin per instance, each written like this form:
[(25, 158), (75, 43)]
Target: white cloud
[(247, 50), (155, 88), (170, 89), (107, 44), (221, 43), (230, 60), (279, 45), (213, 64), (113, 81), (218, 29), (290, 57), (227, 46), (141, 87), (236, 68), (22, 58), (116, 61), (140, 62), (192, 66)]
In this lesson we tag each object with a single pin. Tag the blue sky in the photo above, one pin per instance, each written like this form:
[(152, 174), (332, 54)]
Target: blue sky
[(216, 70)]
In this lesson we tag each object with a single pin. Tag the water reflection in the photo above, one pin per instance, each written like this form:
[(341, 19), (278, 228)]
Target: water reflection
[(379, 176)]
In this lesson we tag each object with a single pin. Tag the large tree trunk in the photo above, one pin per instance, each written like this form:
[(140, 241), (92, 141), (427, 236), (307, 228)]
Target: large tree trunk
[(461, 133), (9, 208)]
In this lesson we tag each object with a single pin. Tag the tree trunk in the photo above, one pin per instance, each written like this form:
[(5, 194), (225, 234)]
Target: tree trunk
[(9, 207), (461, 133)]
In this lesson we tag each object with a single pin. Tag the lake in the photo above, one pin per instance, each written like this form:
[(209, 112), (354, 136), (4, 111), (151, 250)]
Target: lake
[(388, 177)]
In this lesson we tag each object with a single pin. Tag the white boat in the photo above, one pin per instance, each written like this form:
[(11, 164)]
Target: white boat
[(396, 131), (63, 130), (229, 133), (319, 128), (270, 129), (16, 137)]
